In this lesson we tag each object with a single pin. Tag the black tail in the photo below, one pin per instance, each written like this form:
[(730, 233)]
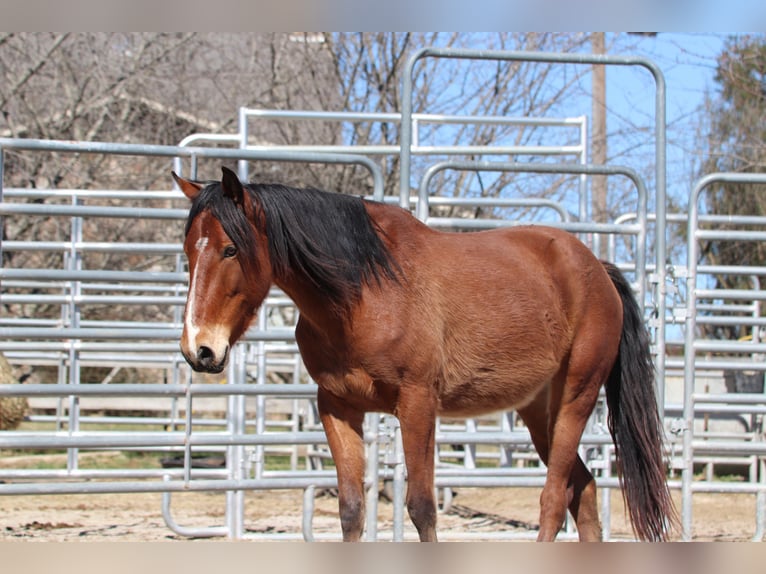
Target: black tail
[(635, 424)]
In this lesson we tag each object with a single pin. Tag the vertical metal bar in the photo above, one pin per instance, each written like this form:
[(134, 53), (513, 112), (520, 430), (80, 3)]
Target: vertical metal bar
[(583, 206), (232, 462), (188, 430), (308, 513), (399, 484), (296, 411), (260, 400), (756, 330), (506, 425), (242, 463), (641, 248), (235, 454), (606, 493), (469, 450), (405, 134), (760, 507), (242, 164), (660, 244), (177, 363), (61, 380), (65, 360), (373, 471), (178, 168), (687, 472), (75, 260), (760, 497)]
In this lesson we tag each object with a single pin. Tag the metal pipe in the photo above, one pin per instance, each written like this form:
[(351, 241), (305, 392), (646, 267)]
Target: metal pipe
[(197, 152)]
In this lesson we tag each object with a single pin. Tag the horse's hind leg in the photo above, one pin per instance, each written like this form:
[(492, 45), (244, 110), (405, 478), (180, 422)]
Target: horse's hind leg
[(344, 430), (583, 504), (579, 489), (569, 483)]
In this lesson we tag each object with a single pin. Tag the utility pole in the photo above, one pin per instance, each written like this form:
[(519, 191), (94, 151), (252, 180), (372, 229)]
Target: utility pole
[(598, 138)]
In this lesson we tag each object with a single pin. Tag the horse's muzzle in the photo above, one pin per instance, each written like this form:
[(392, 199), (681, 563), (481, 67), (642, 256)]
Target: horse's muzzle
[(206, 361)]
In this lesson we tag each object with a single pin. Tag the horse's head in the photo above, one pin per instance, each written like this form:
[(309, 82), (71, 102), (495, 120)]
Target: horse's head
[(229, 270)]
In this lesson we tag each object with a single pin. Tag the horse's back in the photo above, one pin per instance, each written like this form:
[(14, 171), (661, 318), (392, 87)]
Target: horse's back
[(523, 272)]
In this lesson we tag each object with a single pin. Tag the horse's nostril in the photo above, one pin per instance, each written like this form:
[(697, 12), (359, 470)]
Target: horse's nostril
[(205, 354)]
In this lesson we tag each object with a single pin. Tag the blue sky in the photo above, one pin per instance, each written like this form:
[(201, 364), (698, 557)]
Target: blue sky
[(688, 63)]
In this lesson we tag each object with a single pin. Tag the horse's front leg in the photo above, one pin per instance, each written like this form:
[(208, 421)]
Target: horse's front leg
[(345, 435), (416, 412)]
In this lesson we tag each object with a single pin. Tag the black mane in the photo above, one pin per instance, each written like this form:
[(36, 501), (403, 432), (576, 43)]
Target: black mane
[(327, 238)]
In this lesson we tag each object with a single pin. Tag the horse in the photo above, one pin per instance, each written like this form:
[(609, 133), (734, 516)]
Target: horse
[(399, 318)]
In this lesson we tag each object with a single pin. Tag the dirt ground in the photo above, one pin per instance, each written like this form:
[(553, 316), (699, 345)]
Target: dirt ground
[(138, 517)]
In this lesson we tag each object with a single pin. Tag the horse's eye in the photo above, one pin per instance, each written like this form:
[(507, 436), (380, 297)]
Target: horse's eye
[(230, 251)]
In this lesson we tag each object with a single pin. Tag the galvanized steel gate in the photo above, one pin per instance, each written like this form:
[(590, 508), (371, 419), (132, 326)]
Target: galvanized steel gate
[(262, 418)]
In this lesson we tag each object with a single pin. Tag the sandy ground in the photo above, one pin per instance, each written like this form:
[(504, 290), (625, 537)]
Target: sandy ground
[(138, 517)]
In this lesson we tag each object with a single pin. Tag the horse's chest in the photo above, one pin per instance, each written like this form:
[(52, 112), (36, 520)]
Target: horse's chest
[(360, 390)]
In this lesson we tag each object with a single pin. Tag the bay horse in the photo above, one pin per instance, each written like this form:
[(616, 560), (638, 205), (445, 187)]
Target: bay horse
[(398, 318)]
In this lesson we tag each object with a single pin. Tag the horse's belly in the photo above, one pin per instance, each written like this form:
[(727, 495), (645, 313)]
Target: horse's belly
[(494, 388)]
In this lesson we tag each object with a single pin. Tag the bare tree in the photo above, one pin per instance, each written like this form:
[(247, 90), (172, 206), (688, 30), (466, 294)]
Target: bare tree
[(158, 88)]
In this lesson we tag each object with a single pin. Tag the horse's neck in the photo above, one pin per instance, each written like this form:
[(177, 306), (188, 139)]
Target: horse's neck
[(312, 304)]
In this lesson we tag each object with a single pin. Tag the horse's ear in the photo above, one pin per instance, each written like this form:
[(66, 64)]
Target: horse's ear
[(191, 189), (232, 187)]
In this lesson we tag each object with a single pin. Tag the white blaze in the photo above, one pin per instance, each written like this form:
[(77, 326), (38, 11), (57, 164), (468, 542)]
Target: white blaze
[(190, 327)]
